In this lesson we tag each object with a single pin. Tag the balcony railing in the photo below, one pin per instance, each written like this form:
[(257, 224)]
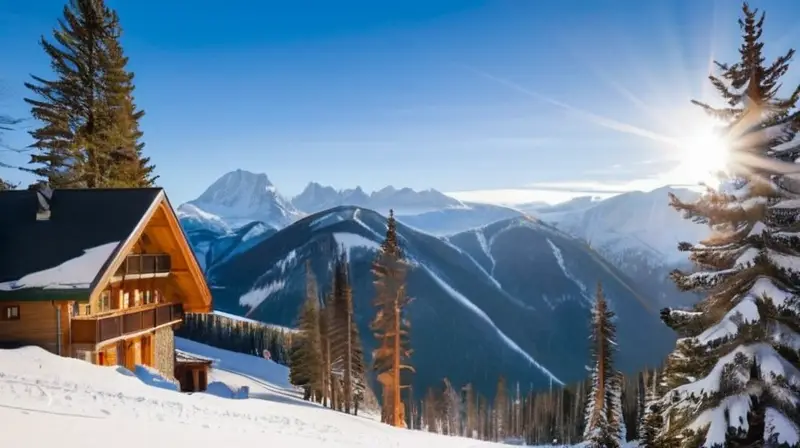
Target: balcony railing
[(139, 264), (96, 329)]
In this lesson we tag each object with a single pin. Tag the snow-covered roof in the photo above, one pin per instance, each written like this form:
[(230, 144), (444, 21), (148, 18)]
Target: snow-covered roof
[(62, 257), (182, 356)]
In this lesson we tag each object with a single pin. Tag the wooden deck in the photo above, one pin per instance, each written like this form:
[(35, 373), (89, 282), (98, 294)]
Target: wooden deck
[(96, 329)]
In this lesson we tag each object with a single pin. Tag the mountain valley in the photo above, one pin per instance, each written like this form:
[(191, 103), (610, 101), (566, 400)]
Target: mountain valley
[(497, 290)]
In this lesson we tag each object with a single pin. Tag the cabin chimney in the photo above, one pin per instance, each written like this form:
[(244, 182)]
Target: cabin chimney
[(43, 194)]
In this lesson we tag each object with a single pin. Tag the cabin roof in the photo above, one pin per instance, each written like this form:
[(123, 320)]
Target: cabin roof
[(183, 357), (62, 257)]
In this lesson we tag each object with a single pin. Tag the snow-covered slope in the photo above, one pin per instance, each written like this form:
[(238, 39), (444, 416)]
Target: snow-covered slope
[(462, 304), (557, 276), (635, 221), (240, 197), (214, 245), (637, 232), (47, 401)]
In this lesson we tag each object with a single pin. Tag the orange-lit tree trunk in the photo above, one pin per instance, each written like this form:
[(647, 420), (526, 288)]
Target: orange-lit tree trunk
[(389, 327)]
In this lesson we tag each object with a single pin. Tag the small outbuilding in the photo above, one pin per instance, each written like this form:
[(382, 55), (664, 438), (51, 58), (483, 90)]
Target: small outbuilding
[(191, 371)]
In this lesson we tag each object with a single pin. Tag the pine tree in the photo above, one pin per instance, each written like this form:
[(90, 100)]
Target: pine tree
[(651, 418), (346, 346), (6, 124), (328, 384), (482, 414), (641, 402), (389, 325), (451, 409), (501, 410), (122, 134), (430, 411), (306, 366), (734, 377), (604, 407), (89, 135), (471, 423)]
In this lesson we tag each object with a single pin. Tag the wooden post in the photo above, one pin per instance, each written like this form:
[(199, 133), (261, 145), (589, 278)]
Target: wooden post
[(396, 402)]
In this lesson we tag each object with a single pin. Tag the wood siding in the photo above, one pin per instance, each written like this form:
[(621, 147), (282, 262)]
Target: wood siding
[(37, 325), (162, 234)]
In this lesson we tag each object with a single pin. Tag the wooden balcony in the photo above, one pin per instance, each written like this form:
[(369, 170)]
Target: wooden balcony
[(144, 265), (104, 327)]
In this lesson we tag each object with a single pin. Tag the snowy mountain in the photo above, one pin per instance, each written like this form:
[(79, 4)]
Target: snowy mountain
[(572, 205), (86, 406), (215, 245), (454, 220), (405, 201), (637, 232), (241, 197), (427, 210), (237, 198), (520, 311)]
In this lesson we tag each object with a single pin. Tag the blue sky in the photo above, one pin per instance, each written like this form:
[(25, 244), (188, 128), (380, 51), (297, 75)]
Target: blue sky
[(503, 101)]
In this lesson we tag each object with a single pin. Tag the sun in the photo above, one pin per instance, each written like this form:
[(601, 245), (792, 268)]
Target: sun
[(705, 153)]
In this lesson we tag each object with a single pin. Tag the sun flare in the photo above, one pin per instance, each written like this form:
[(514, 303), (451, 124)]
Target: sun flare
[(705, 154)]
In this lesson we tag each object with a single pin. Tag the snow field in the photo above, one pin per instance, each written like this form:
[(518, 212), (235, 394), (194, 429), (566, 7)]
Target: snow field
[(46, 400)]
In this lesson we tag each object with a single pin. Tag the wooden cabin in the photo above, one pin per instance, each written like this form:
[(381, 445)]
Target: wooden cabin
[(191, 371), (103, 275)]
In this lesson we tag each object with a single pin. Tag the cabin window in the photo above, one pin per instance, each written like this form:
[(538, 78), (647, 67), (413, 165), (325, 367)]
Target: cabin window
[(11, 313), (105, 301), (81, 309), (84, 355)]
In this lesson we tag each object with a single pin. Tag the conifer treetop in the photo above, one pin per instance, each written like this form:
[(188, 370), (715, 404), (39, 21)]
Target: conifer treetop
[(734, 378)]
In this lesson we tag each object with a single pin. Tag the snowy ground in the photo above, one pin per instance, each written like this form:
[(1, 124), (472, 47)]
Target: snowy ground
[(50, 401)]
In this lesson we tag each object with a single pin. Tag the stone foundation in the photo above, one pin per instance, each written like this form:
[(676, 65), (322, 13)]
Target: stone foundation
[(165, 352)]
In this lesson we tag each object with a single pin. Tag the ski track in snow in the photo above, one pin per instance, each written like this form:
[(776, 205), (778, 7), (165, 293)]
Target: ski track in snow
[(475, 262), (485, 247), (257, 295), (491, 278), (572, 278), (352, 240), (357, 218), (479, 312)]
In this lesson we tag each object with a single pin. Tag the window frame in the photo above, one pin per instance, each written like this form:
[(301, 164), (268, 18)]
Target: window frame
[(104, 301), (7, 315)]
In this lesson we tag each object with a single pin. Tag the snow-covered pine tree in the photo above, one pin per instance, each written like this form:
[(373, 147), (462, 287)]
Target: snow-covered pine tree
[(346, 353), (451, 409), (471, 417), (617, 417), (650, 421), (734, 377), (501, 410), (641, 400), (603, 419)]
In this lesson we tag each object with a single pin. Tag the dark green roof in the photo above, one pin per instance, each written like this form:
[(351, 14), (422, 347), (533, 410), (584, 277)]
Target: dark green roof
[(80, 219)]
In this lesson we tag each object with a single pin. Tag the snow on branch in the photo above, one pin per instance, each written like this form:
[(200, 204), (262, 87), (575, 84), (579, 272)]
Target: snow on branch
[(745, 312)]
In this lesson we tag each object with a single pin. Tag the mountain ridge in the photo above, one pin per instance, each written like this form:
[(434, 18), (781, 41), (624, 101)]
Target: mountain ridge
[(523, 318)]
